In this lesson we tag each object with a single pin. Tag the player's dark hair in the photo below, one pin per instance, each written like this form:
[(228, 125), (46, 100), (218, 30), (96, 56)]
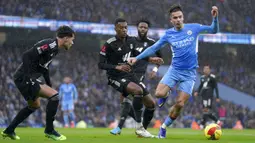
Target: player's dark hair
[(119, 20), (65, 31), (145, 21), (174, 8), (207, 65)]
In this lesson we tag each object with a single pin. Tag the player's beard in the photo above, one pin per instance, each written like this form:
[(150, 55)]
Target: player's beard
[(142, 36), (179, 26), (67, 47)]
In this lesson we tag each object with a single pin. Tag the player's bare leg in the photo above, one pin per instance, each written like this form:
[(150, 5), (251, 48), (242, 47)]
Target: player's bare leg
[(162, 93), (174, 112), (51, 110), (181, 99)]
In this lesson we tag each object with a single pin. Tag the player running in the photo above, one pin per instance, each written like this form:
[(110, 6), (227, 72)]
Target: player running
[(183, 41)]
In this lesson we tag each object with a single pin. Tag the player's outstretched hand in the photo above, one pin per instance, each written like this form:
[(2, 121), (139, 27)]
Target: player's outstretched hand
[(132, 60), (156, 60), (124, 68), (214, 11), (195, 94)]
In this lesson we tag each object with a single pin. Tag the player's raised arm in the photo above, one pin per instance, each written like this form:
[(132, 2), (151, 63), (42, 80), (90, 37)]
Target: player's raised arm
[(157, 60), (214, 27), (152, 49)]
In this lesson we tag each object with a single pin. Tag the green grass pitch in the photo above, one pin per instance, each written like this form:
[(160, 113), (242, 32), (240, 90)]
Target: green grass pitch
[(102, 135)]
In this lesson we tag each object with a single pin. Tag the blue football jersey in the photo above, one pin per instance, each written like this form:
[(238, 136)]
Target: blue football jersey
[(68, 92), (184, 44)]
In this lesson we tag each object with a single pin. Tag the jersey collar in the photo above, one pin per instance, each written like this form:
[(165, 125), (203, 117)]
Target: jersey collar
[(120, 39)]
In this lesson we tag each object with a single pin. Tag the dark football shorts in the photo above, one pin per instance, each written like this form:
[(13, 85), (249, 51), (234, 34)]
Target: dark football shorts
[(139, 76), (28, 87), (207, 102), (120, 84)]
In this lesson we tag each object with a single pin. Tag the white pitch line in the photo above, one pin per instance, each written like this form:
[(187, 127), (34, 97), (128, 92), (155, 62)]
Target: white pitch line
[(202, 133)]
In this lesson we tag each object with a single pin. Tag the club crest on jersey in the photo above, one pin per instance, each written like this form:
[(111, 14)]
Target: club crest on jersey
[(145, 44), (131, 46), (119, 49), (189, 32)]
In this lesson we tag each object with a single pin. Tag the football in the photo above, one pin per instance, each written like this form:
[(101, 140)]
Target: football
[(213, 132)]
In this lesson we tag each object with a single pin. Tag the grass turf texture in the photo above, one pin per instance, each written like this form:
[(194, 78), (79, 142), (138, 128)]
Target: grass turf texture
[(102, 135)]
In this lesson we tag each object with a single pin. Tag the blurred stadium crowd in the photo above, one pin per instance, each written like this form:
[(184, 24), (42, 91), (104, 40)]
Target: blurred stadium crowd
[(233, 67), (235, 16), (98, 103)]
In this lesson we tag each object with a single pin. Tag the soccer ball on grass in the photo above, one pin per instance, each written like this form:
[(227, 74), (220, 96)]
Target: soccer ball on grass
[(213, 132)]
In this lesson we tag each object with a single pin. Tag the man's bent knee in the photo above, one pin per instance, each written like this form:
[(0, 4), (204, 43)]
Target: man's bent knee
[(34, 106), (138, 91), (134, 89), (160, 94)]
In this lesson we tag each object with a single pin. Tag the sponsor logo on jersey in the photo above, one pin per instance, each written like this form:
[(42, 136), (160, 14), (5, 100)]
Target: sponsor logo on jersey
[(183, 43)]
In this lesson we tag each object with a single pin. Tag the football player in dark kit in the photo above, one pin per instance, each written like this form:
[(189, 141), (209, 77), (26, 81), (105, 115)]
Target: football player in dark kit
[(208, 84), (35, 63), (113, 58), (139, 69)]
